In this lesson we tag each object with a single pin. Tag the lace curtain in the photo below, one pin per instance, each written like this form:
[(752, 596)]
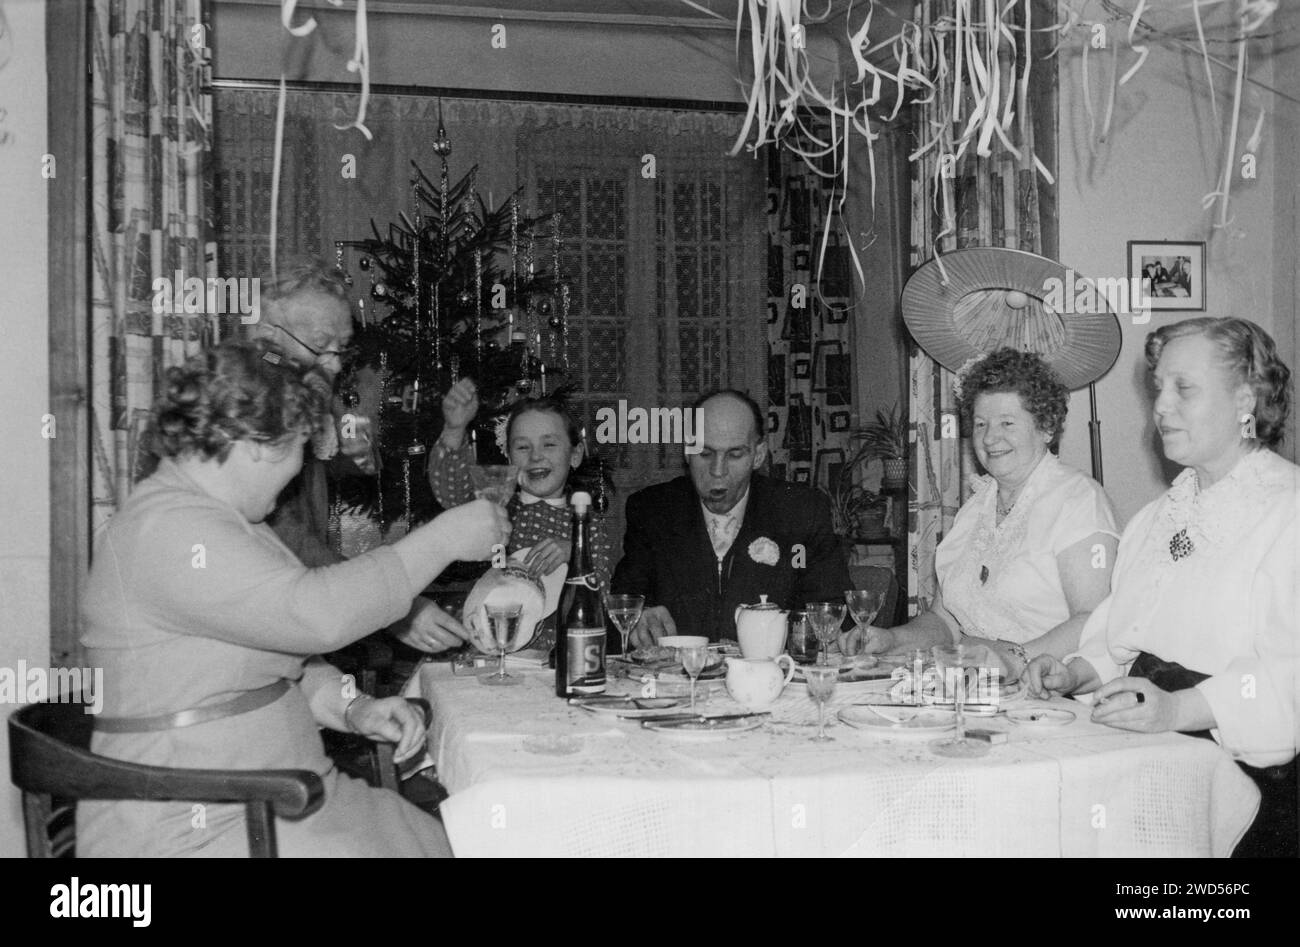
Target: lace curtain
[(662, 231), (149, 128), (990, 201)]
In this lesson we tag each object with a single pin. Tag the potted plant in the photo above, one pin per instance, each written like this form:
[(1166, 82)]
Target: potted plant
[(886, 438), (855, 510)]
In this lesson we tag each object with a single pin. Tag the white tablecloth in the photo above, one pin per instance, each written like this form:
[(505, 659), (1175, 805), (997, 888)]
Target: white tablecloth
[(532, 776)]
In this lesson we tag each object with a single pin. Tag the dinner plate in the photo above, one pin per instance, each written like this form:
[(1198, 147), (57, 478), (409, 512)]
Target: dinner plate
[(1041, 716), (848, 674), (703, 729), (902, 722), (637, 709)]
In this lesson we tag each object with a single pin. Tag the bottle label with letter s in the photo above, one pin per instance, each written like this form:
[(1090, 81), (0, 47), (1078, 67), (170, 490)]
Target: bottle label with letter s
[(586, 660)]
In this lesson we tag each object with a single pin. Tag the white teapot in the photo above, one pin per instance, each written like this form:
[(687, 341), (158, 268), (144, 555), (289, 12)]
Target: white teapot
[(761, 629), (757, 682)]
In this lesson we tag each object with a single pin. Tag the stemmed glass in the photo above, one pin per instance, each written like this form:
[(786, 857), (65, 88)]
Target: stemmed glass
[(821, 685), (952, 663), (864, 604), (625, 612), (825, 618), (502, 635), (495, 482), (693, 662)]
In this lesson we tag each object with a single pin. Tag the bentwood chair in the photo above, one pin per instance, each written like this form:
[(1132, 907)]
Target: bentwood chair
[(50, 762)]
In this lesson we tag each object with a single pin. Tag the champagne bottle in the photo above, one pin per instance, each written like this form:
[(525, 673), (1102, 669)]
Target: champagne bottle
[(580, 631)]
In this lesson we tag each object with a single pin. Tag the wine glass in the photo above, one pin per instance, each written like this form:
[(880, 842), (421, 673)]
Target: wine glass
[(625, 612), (952, 663), (825, 618), (502, 635), (821, 685), (693, 662), (495, 482), (864, 604)]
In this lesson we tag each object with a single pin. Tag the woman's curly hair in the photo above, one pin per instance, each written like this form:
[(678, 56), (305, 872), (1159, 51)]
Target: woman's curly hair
[(1041, 391), (1250, 356), (233, 391)]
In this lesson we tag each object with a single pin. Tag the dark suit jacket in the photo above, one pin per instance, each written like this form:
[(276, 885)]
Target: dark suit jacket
[(667, 556)]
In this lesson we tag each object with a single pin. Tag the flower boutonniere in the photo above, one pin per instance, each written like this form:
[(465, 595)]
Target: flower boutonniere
[(765, 551)]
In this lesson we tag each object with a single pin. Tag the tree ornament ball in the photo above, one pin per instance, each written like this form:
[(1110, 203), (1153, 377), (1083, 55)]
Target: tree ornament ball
[(556, 323), (379, 290), (492, 345), (365, 262), (544, 306), (464, 297), (524, 385)]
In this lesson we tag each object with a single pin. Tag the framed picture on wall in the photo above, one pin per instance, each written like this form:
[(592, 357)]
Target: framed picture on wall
[(1172, 273)]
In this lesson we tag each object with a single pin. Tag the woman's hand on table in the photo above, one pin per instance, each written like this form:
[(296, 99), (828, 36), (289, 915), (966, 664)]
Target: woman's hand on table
[(429, 628), (867, 640), (655, 623), (390, 720), (1047, 674), (547, 556), (1134, 703), (988, 653)]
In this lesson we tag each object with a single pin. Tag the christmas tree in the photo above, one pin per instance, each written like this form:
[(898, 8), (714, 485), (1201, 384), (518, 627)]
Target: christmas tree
[(458, 290)]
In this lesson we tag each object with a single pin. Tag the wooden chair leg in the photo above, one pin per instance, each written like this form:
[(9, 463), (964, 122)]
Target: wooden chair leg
[(261, 830)]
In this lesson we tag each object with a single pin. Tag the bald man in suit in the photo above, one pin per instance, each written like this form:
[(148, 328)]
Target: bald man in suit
[(700, 545)]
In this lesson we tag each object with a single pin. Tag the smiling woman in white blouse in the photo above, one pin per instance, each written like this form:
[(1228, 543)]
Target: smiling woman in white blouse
[(1029, 554), (1204, 599)]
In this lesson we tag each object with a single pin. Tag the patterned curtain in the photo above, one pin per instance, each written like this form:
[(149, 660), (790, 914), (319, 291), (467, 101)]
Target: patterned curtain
[(990, 201), (809, 381), (150, 142)]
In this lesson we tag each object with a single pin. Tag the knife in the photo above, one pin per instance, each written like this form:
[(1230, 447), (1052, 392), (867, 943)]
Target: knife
[(702, 718)]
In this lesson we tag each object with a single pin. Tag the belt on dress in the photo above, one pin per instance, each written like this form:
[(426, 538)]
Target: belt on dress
[(240, 704)]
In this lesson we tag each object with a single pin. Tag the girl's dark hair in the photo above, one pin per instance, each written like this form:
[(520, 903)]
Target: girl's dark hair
[(231, 392), (1250, 356), (548, 405), (1041, 391)]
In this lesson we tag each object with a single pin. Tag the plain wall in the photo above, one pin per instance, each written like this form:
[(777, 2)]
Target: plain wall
[(1146, 183), (24, 380)]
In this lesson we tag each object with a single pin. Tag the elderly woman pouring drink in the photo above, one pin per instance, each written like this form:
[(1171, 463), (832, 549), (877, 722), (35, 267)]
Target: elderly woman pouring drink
[(206, 624), (1205, 599), (1030, 553)]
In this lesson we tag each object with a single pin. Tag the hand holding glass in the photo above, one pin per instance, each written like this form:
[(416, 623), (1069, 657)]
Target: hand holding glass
[(495, 482)]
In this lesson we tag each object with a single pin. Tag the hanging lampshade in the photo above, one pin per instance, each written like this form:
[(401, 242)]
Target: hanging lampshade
[(994, 298)]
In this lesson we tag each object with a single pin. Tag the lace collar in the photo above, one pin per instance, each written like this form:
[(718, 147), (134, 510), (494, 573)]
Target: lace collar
[(1219, 514), (1007, 536)]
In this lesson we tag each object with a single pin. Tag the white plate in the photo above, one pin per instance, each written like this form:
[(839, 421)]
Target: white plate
[(702, 730), (1041, 716), (907, 722)]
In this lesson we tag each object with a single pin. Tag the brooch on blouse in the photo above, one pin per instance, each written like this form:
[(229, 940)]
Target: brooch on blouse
[(1181, 545)]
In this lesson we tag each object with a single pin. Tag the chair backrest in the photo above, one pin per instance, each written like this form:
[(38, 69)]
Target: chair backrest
[(50, 762), (878, 578)]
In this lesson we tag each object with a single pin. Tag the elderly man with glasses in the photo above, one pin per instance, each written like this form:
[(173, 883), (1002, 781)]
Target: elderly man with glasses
[(305, 311)]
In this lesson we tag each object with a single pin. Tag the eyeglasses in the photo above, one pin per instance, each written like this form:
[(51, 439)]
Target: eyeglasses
[(319, 354)]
